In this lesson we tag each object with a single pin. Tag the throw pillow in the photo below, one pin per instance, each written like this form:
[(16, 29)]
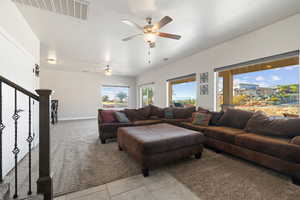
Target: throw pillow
[(235, 118), (169, 113), (108, 116), (215, 117), (121, 117), (203, 110), (200, 118), (262, 124)]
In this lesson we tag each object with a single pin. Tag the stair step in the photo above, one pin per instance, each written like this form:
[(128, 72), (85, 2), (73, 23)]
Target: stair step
[(4, 191)]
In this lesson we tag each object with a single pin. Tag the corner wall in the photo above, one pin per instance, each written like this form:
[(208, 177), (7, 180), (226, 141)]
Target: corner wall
[(20, 51), (79, 93), (277, 38)]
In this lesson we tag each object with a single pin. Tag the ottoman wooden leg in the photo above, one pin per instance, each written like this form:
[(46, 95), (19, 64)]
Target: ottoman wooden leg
[(102, 141), (296, 180), (198, 155), (120, 148), (145, 172)]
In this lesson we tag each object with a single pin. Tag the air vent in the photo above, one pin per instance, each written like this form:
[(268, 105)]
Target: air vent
[(73, 8)]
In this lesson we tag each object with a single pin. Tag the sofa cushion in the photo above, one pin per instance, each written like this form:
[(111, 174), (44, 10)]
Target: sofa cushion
[(113, 127), (261, 124), (181, 113), (108, 116), (147, 122), (296, 140), (274, 146), (201, 118), (169, 113), (215, 117), (156, 111), (223, 133), (176, 121), (138, 114), (190, 125), (235, 118), (121, 117)]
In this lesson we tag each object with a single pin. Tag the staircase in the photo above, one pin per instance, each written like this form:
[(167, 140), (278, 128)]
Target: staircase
[(44, 181), (5, 193)]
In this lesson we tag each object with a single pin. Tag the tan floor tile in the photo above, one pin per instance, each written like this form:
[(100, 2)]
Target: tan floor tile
[(140, 193), (124, 185), (176, 191), (86, 192)]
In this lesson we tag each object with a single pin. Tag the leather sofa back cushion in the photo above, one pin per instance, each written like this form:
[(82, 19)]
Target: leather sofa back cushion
[(156, 111), (138, 114), (108, 116), (183, 113), (235, 118), (215, 117), (262, 124)]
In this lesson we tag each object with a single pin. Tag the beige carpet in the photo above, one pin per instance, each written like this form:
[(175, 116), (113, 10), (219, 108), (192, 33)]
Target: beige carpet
[(80, 161)]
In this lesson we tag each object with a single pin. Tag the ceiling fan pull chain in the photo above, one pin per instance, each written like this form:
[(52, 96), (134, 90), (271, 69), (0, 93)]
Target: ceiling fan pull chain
[(149, 55)]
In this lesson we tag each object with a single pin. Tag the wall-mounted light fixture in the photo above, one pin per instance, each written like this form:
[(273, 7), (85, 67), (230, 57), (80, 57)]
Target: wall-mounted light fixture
[(107, 71), (36, 70)]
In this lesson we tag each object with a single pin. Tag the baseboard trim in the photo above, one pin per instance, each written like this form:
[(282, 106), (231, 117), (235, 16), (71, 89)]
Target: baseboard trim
[(75, 118)]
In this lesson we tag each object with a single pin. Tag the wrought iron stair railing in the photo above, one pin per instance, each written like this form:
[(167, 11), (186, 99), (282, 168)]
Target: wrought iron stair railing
[(44, 182)]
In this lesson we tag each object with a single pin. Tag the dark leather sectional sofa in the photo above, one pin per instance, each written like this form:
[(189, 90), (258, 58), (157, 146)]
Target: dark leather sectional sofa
[(240, 133)]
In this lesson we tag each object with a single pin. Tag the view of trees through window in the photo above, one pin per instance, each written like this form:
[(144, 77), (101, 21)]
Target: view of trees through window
[(114, 97), (274, 91), (147, 96), (184, 94)]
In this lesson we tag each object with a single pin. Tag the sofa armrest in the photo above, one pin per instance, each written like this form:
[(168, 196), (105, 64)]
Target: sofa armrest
[(296, 140)]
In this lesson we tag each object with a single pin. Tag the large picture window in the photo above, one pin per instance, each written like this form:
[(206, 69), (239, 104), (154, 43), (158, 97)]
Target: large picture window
[(182, 91), (270, 87), (146, 95), (115, 96)]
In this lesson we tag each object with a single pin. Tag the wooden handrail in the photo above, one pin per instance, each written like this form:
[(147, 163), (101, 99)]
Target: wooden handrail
[(19, 88)]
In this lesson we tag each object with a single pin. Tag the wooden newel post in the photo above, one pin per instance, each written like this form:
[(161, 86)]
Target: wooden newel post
[(44, 182)]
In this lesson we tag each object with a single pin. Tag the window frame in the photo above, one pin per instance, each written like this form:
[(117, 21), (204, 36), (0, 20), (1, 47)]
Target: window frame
[(141, 93), (115, 86), (170, 83), (228, 76)]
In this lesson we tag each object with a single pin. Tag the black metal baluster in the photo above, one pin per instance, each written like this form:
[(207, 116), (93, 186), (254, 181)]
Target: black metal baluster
[(29, 140), (16, 150), (1, 129)]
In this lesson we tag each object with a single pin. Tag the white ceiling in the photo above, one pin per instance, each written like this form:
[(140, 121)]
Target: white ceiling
[(91, 44)]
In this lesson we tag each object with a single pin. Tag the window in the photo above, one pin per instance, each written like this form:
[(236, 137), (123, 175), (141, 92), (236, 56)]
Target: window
[(115, 96), (271, 87), (146, 95), (182, 91), (274, 91)]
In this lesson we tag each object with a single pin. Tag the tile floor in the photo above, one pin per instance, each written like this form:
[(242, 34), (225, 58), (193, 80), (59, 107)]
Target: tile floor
[(158, 186)]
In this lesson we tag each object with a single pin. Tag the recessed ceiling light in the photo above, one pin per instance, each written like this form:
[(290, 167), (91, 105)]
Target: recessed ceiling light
[(51, 60)]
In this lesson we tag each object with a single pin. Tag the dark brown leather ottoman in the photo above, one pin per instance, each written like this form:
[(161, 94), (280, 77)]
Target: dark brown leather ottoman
[(157, 144)]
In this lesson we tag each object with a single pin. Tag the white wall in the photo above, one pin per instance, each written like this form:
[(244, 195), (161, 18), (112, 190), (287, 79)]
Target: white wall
[(19, 49), (79, 93), (277, 38)]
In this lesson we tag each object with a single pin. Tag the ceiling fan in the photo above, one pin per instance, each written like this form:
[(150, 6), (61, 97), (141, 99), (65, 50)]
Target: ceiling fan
[(151, 31)]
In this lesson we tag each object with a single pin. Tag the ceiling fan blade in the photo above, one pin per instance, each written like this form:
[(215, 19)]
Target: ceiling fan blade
[(164, 21), (168, 35), (133, 24), (130, 37)]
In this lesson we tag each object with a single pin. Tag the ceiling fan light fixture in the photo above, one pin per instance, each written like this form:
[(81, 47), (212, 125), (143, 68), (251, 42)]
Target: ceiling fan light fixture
[(108, 71), (150, 37)]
